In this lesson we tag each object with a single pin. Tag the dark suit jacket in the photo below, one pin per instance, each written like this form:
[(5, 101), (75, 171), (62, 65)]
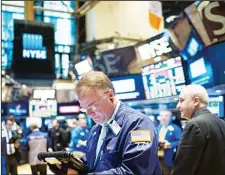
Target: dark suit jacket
[(202, 146)]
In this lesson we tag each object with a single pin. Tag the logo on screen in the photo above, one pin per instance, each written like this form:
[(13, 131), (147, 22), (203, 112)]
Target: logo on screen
[(33, 46)]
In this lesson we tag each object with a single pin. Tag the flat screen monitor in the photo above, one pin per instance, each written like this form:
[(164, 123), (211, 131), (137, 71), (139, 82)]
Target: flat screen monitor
[(17, 109), (68, 108), (38, 108), (83, 67), (216, 105), (129, 87), (33, 50), (207, 67), (163, 79)]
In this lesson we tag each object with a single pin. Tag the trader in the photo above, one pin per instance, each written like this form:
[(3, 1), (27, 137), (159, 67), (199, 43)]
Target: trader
[(123, 141), (169, 136), (201, 149)]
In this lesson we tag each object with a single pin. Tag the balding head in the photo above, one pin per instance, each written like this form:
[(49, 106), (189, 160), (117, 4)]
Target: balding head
[(192, 98)]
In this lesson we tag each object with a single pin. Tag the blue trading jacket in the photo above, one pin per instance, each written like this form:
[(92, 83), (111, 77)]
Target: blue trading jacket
[(77, 134), (173, 136), (118, 154)]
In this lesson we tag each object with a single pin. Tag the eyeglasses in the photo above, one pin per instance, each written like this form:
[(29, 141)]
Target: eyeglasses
[(93, 106)]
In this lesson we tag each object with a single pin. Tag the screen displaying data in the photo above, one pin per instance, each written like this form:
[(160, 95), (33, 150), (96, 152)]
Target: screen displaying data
[(163, 79)]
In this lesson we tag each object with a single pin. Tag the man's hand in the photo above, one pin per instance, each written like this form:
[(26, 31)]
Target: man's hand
[(167, 145)]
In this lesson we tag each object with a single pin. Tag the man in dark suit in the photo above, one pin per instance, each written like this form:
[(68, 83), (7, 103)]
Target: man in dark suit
[(202, 146)]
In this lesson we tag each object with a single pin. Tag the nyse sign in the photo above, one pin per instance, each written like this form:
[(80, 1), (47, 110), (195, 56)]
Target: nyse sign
[(33, 47), (154, 48)]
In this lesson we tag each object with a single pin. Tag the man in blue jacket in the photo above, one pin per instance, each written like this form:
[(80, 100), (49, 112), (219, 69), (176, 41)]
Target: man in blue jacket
[(79, 136), (169, 136), (123, 141)]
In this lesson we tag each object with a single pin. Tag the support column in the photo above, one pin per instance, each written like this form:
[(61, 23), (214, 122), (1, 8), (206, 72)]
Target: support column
[(29, 10)]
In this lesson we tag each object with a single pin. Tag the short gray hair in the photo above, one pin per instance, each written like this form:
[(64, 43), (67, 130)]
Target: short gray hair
[(96, 80), (196, 90)]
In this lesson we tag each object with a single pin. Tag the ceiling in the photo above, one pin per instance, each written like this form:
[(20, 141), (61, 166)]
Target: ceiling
[(174, 7)]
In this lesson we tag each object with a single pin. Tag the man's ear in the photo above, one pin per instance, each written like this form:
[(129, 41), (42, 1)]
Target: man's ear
[(197, 101)]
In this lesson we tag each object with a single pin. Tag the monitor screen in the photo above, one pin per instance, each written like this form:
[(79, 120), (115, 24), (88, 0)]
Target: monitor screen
[(163, 79), (38, 108), (82, 68), (207, 67), (129, 87), (68, 108), (33, 120), (216, 105), (17, 109), (33, 50)]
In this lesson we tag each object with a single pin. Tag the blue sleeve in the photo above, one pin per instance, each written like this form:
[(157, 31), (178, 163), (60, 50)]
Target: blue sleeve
[(135, 152), (74, 137), (178, 133)]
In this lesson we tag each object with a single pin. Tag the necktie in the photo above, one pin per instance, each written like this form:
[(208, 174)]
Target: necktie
[(100, 140), (162, 133)]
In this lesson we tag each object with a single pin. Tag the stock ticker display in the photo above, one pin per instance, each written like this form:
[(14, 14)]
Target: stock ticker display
[(164, 78)]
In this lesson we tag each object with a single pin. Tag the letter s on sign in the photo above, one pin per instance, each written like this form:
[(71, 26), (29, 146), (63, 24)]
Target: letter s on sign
[(215, 18)]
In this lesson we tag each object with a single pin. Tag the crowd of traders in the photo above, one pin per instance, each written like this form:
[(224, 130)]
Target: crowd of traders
[(125, 141), (57, 138)]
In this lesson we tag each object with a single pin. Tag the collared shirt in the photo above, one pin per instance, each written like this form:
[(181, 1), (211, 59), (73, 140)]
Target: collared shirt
[(105, 130)]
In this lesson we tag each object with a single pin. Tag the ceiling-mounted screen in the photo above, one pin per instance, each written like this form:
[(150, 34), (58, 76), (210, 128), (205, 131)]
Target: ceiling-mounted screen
[(129, 87), (68, 108), (33, 50), (207, 67), (163, 79), (38, 108)]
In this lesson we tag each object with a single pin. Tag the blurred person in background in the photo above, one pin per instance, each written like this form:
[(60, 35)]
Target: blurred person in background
[(37, 142), (58, 137), (15, 126), (169, 136), (12, 148), (201, 149), (79, 136)]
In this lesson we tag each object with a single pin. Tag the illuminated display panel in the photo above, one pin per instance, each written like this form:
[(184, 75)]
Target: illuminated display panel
[(129, 87), (216, 105), (17, 109), (64, 24), (34, 50), (9, 13), (207, 67), (163, 79), (39, 108)]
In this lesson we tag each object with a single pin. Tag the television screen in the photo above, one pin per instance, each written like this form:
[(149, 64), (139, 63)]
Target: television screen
[(207, 67), (193, 46), (38, 108), (83, 67), (44, 94), (129, 87), (163, 79), (17, 109), (33, 50), (216, 105), (68, 108)]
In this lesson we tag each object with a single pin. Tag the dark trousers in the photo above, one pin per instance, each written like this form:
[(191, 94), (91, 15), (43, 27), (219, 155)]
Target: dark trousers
[(11, 164), (42, 168), (165, 169)]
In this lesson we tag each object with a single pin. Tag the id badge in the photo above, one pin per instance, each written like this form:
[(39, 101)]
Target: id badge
[(115, 127)]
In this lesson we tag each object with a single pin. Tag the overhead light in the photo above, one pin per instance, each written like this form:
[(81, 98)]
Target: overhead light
[(218, 91), (171, 18)]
